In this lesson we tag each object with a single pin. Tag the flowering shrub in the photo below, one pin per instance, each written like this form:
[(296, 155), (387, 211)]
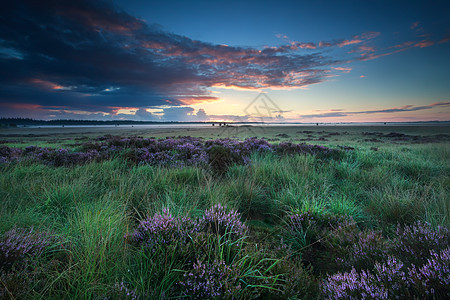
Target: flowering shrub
[(8, 154), (192, 243), (181, 151), (433, 278), (210, 280), (368, 247), (162, 229), (414, 242), (17, 246), (392, 280), (387, 282), (218, 221)]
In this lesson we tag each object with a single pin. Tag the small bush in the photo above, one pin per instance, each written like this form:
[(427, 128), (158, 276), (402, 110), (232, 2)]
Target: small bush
[(387, 282), (433, 278), (218, 221), (414, 242), (18, 246), (211, 280)]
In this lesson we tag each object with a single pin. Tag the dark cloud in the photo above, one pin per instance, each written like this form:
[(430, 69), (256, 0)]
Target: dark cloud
[(91, 56)]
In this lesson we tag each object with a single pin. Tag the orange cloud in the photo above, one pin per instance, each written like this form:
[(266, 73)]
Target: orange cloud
[(198, 100), (348, 42), (343, 69), (47, 84), (424, 44)]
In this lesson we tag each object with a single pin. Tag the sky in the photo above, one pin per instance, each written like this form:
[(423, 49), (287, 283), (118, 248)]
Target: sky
[(234, 61)]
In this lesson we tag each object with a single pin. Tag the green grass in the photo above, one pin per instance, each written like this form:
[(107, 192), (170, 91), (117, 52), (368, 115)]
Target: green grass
[(94, 206)]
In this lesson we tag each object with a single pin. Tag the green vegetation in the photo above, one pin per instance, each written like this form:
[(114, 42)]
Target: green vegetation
[(94, 209)]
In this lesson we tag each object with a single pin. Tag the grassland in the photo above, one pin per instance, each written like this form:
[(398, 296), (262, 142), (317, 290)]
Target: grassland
[(303, 217)]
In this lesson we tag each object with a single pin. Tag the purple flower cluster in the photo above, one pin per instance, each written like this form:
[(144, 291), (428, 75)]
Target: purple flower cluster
[(218, 221), (368, 247), (210, 280), (52, 157), (162, 229), (181, 151), (387, 282), (433, 278), (8, 154), (391, 280), (353, 285), (414, 242), (424, 272), (17, 246)]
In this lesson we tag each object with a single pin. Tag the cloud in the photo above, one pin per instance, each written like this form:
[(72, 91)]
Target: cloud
[(144, 115), (343, 69), (90, 56), (349, 42), (445, 39), (404, 108), (414, 25), (423, 44)]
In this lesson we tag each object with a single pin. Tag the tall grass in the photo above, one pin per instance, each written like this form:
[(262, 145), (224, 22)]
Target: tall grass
[(95, 205)]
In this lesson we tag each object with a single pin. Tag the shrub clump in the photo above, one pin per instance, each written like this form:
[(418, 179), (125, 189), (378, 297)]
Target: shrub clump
[(393, 280), (422, 273), (219, 154), (433, 278), (414, 242), (210, 280), (18, 246), (217, 220), (19, 249), (162, 229), (387, 282)]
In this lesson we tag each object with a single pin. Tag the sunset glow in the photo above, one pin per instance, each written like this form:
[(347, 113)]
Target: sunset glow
[(134, 60)]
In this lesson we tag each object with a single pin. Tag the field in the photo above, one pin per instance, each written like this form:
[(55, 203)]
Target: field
[(278, 212)]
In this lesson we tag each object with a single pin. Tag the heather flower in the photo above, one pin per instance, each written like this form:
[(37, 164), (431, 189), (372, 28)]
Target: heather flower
[(173, 152), (8, 154), (433, 278), (17, 246), (353, 285), (162, 229), (387, 282), (218, 221), (369, 247), (210, 280), (414, 242), (392, 277)]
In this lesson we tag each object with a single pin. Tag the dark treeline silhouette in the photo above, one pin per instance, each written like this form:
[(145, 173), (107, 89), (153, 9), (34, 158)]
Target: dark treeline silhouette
[(31, 122)]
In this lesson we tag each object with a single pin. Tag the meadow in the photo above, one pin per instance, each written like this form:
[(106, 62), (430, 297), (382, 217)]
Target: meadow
[(294, 212)]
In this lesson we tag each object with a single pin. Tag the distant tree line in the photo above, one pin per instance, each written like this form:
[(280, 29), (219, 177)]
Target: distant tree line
[(32, 122), (14, 122)]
